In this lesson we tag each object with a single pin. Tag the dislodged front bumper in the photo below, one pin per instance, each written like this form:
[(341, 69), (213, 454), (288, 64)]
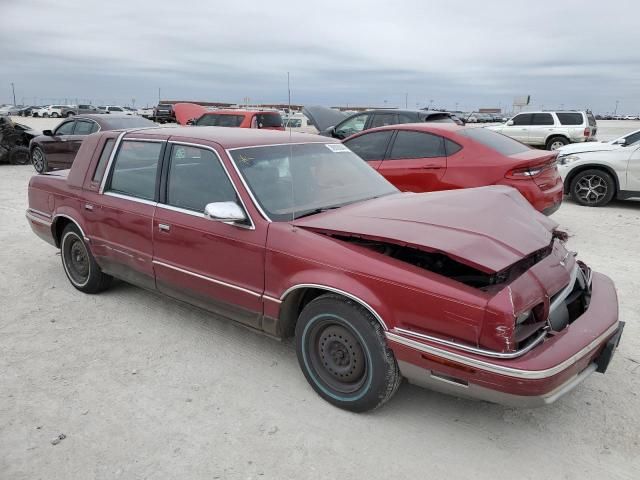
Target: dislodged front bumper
[(541, 376)]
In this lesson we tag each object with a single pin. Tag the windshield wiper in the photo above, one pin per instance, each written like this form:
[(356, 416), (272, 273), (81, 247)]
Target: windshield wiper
[(315, 211)]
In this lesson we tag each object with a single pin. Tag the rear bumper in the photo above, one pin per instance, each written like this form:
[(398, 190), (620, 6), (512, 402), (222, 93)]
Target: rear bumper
[(545, 201), (541, 376)]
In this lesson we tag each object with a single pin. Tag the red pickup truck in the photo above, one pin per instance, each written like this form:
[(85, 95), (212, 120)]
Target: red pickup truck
[(471, 292)]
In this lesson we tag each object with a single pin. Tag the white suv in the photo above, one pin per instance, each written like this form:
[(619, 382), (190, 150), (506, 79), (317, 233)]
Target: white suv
[(54, 111), (550, 130), (115, 109)]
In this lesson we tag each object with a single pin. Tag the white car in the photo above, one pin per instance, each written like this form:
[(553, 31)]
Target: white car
[(116, 109), (619, 142), (550, 130), (53, 111), (593, 178)]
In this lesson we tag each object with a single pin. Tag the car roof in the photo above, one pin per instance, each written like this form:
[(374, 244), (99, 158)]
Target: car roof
[(422, 126), (230, 137)]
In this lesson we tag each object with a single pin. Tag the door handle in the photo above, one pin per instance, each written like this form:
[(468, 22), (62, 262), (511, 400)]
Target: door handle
[(88, 206), (163, 227)]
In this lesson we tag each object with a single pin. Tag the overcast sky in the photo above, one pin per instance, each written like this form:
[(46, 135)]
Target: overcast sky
[(480, 53)]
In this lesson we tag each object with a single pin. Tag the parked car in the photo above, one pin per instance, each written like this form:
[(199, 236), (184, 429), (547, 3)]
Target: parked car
[(79, 110), (145, 112), (53, 111), (594, 178), (27, 111), (440, 156), (550, 130), (620, 142), (471, 291), (56, 149), (377, 118), (197, 115), (164, 113), (4, 109), (114, 109)]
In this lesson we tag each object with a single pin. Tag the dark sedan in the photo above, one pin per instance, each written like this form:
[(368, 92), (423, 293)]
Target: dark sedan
[(56, 149)]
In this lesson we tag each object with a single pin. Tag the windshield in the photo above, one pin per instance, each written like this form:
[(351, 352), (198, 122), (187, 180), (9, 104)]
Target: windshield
[(494, 140), (299, 179), (220, 120)]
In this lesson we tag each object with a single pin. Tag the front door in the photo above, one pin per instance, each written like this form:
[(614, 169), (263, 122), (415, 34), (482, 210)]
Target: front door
[(416, 162), (81, 130), (120, 221), (58, 147), (211, 264), (519, 130)]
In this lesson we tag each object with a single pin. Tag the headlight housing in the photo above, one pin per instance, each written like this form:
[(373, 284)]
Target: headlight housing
[(567, 159)]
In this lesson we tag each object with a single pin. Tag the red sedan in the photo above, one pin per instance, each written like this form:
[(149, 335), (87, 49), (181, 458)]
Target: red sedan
[(429, 157), (468, 291)]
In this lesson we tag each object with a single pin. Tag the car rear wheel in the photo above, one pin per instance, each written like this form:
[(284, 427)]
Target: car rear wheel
[(45, 115), (555, 143), (81, 268), (19, 156), (55, 115), (70, 114), (343, 354), (592, 188), (39, 160)]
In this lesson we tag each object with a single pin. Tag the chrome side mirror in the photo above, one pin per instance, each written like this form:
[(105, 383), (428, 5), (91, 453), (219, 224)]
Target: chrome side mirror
[(227, 212)]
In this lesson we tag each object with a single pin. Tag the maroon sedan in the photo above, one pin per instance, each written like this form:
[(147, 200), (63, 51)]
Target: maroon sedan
[(57, 149), (471, 291), (429, 157)]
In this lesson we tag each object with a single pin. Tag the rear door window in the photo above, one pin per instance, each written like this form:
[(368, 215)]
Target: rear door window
[(410, 144), (570, 118), (135, 169), (542, 119), (219, 120), (84, 127), (383, 119), (370, 146), (523, 119), (66, 128), (494, 140)]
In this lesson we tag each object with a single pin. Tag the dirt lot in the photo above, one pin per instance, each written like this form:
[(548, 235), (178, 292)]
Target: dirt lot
[(144, 387)]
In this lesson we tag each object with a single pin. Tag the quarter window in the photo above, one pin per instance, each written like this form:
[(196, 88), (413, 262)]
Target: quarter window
[(410, 144), (65, 129), (135, 169), (85, 128), (196, 178), (370, 146), (570, 118), (451, 147), (104, 158)]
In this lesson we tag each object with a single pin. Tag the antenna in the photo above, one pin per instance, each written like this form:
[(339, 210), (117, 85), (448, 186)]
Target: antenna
[(293, 200)]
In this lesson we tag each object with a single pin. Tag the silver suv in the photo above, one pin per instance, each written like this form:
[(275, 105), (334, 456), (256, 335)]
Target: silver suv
[(550, 130)]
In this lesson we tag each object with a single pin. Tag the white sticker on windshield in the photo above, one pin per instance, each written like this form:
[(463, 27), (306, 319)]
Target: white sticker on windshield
[(337, 147)]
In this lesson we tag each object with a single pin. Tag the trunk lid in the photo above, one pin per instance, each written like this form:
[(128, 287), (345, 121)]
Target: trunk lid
[(487, 228)]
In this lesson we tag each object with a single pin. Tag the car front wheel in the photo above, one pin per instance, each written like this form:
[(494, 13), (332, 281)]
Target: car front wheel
[(592, 188), (343, 354), (39, 160), (81, 268)]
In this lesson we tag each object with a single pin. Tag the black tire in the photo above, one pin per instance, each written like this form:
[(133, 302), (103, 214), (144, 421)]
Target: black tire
[(45, 115), (19, 156), (70, 114), (54, 115), (343, 354), (592, 188), (78, 263), (556, 142), (39, 160)]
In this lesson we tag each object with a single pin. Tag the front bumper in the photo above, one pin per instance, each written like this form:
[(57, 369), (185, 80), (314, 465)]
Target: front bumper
[(544, 374)]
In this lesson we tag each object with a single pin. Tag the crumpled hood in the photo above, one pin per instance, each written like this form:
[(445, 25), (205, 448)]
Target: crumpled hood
[(585, 147), (187, 111), (488, 228)]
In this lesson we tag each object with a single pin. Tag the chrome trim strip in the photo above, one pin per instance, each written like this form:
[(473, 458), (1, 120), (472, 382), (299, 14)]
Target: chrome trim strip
[(271, 299), (107, 170), (281, 144), (341, 292), (35, 219), (39, 212), (128, 197), (469, 348), (500, 369), (150, 140), (84, 236), (207, 147), (209, 279)]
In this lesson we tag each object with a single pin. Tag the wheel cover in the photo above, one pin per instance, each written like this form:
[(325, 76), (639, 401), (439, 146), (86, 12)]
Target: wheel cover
[(37, 158), (76, 260), (337, 357), (557, 144), (591, 189)]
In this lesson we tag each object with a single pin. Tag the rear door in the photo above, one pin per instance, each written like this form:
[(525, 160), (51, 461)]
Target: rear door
[(416, 161), (520, 128), (371, 147), (633, 169), (542, 125)]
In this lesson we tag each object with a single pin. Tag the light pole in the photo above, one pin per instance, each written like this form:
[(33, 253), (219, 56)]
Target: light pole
[(13, 90), (615, 112)]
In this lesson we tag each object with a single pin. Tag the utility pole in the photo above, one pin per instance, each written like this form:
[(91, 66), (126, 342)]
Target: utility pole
[(13, 90), (158, 95), (406, 100), (614, 112)]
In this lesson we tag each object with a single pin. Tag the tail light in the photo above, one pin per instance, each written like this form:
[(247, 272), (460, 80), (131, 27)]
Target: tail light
[(527, 172), (587, 132)]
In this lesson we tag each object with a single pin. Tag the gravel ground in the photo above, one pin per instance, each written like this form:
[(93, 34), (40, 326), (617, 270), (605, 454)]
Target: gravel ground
[(144, 387)]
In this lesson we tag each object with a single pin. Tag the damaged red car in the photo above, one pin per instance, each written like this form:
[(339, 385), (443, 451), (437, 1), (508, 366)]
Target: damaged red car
[(199, 116), (471, 292)]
